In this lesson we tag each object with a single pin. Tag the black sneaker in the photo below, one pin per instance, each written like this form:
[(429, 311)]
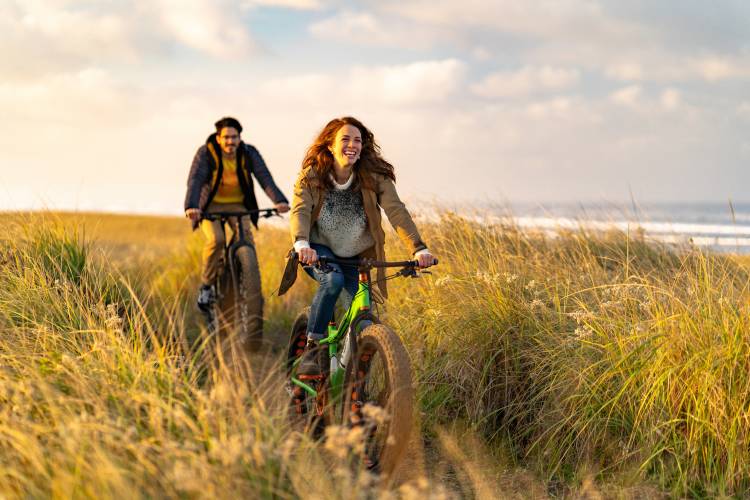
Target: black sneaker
[(206, 297), (310, 364)]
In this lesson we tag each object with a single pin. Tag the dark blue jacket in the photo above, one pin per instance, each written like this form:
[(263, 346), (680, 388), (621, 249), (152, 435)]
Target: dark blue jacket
[(201, 190)]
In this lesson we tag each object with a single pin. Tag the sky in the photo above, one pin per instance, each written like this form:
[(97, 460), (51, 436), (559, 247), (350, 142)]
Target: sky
[(104, 103)]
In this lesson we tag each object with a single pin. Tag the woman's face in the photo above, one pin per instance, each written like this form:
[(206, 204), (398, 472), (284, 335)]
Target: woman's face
[(347, 145)]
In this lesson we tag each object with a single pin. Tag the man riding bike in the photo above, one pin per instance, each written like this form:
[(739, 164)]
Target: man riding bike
[(220, 181)]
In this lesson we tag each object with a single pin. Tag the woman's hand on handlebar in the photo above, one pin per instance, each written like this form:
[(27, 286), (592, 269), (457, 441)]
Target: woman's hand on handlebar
[(308, 256), (194, 214), (425, 260)]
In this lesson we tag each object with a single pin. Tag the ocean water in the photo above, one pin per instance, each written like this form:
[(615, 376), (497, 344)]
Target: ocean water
[(721, 227)]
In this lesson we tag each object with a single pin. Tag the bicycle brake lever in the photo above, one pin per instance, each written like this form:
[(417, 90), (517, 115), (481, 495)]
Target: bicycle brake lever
[(408, 272)]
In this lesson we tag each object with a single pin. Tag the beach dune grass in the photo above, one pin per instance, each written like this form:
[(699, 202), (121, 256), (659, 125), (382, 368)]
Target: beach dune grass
[(100, 398), (588, 349), (588, 358)]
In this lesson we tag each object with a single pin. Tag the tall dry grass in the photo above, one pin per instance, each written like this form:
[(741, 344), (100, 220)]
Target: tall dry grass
[(590, 364), (587, 352), (106, 392)]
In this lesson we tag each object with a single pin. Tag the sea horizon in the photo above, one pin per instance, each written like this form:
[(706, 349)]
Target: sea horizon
[(716, 225)]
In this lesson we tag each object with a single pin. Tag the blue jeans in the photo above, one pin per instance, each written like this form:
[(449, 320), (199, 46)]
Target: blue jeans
[(332, 283)]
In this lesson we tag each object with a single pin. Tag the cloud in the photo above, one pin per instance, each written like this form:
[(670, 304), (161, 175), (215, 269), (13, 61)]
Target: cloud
[(546, 20), (526, 81), (558, 107), (481, 53), (639, 42), (41, 37), (407, 84), (418, 82), (38, 37), (212, 27), (624, 71), (87, 96), (289, 4), (376, 29), (627, 96), (717, 68), (309, 89), (671, 99), (362, 26)]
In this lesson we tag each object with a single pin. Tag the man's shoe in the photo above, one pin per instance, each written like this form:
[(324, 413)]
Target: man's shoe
[(309, 366), (206, 297)]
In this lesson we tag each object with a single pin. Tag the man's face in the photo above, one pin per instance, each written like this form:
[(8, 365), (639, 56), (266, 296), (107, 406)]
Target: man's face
[(228, 139)]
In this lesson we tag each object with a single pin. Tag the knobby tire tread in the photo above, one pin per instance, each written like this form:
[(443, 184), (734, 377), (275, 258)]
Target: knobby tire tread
[(247, 309), (398, 367)]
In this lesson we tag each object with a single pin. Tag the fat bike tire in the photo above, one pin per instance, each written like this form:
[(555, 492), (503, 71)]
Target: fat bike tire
[(247, 310), (379, 376)]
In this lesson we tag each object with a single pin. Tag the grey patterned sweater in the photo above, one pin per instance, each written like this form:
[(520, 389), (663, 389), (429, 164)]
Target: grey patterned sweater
[(342, 225)]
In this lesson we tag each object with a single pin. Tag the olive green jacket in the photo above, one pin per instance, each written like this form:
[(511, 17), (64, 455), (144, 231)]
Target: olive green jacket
[(308, 200)]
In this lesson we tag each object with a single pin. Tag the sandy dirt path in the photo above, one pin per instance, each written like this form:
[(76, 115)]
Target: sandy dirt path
[(263, 371)]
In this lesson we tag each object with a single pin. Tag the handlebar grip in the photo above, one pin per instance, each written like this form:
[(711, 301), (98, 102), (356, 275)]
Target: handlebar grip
[(434, 262)]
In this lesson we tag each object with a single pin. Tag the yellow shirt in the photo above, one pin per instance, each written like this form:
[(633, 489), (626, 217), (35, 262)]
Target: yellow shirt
[(229, 187)]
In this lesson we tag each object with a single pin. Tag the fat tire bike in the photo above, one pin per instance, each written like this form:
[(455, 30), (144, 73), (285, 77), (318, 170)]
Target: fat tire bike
[(238, 302), (366, 378)]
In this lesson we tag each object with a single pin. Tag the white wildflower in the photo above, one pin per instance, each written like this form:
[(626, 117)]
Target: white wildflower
[(340, 440), (375, 413), (579, 316), (443, 280), (582, 333), (112, 321)]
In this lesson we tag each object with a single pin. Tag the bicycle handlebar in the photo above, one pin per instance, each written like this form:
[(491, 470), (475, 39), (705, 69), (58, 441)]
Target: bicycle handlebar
[(368, 263), (262, 212)]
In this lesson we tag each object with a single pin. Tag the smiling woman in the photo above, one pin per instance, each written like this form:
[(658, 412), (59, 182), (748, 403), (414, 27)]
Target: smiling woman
[(343, 184)]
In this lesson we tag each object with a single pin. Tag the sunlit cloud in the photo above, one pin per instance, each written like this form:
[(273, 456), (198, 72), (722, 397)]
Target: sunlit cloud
[(557, 107), (743, 110), (587, 95), (627, 96), (42, 37), (377, 29), (418, 82), (715, 68), (625, 71), (526, 81), (291, 4), (213, 27), (671, 99), (410, 84)]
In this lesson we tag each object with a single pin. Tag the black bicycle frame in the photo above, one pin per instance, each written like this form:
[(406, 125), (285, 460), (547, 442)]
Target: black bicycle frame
[(238, 239)]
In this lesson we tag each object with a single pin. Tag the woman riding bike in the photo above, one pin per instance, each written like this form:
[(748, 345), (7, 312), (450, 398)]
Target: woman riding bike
[(338, 195)]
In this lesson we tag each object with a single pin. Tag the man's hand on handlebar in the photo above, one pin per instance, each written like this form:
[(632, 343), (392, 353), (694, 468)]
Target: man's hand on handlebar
[(194, 214), (308, 256), (282, 207)]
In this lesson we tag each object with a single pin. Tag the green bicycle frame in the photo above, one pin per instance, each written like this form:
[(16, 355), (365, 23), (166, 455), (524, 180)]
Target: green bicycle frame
[(336, 335)]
